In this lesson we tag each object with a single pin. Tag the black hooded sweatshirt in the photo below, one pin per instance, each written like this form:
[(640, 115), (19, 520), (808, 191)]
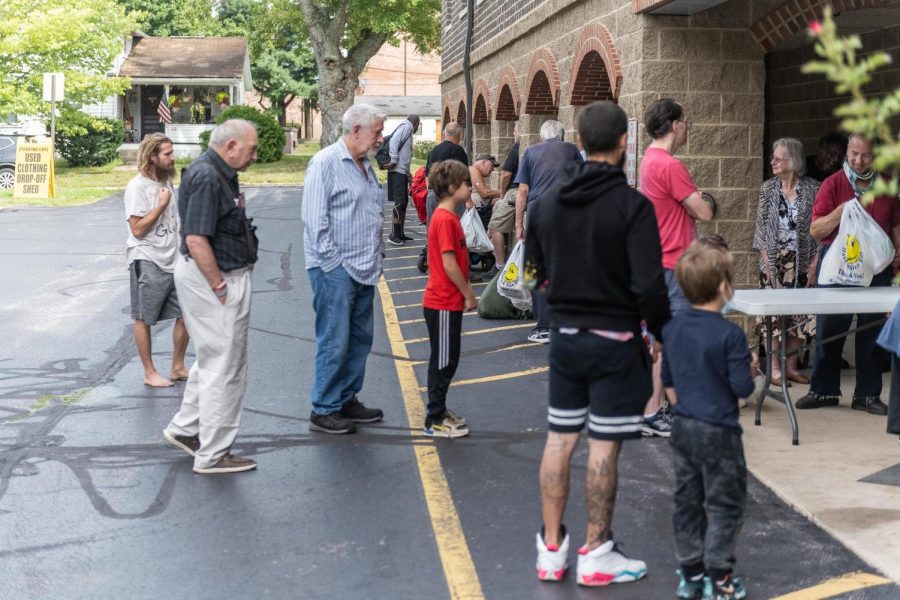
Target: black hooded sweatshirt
[(594, 245)]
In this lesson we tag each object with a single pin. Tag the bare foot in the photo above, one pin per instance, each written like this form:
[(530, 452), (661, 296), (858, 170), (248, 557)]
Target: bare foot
[(157, 380), (179, 374)]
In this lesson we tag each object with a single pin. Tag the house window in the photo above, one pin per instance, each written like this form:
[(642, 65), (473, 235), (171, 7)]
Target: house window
[(198, 104)]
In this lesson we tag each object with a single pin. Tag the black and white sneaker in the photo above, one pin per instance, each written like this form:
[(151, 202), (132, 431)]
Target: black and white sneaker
[(358, 412), (396, 241), (658, 424), (334, 423)]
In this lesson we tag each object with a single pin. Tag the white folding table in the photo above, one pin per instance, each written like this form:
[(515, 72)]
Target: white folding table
[(783, 303)]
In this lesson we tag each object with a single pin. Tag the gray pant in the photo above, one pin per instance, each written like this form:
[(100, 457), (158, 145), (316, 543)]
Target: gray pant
[(893, 418), (710, 493), (214, 392)]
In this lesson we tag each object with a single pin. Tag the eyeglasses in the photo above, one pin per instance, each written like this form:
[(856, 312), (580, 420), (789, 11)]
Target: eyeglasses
[(776, 159)]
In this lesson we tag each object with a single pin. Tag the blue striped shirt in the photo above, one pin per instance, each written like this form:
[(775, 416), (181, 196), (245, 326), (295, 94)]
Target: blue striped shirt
[(342, 215)]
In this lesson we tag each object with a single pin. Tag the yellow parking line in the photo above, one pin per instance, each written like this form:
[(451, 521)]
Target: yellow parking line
[(407, 278), (406, 268), (839, 585), (514, 347), (478, 331), (407, 322), (501, 377), (459, 569), (408, 305)]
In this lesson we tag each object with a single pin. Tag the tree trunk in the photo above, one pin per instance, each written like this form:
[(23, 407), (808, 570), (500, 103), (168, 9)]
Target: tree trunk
[(337, 86)]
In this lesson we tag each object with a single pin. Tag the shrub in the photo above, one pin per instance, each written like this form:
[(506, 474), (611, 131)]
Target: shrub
[(86, 141), (422, 148), (271, 135)]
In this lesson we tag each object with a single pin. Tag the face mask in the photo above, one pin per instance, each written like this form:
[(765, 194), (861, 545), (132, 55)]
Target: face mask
[(727, 295), (853, 177)]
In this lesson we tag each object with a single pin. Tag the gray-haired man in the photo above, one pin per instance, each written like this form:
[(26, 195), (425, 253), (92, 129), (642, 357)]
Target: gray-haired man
[(212, 276), (401, 151)]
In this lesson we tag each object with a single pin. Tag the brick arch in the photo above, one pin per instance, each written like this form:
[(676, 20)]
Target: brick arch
[(447, 119), (786, 19), (596, 71), (461, 114), (542, 91), (482, 112), (508, 98)]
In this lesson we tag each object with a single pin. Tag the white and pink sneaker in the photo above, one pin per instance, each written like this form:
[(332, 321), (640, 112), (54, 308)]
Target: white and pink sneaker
[(552, 560), (605, 564)]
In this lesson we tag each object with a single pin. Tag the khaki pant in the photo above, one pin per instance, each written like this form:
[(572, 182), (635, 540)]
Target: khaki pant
[(214, 393)]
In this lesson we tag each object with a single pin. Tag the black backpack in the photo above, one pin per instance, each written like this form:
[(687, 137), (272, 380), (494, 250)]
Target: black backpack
[(383, 156)]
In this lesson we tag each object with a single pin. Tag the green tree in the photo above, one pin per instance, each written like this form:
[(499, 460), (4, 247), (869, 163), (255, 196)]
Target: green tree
[(875, 117), (345, 34), (79, 38), (174, 17)]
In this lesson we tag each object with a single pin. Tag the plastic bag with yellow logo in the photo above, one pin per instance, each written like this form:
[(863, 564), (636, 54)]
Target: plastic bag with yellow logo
[(860, 251), (511, 283)]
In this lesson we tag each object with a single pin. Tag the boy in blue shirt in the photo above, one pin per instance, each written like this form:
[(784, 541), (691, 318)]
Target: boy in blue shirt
[(706, 368)]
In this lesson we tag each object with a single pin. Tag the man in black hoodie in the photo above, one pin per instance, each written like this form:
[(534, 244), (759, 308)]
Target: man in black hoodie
[(595, 247)]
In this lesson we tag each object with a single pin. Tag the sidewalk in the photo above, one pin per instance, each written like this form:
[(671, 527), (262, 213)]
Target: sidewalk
[(830, 477)]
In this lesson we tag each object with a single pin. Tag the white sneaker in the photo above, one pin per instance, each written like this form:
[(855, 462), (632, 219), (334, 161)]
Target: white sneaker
[(605, 564), (552, 561)]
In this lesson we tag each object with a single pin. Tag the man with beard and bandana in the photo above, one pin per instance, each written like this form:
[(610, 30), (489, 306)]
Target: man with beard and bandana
[(850, 182), (152, 218)]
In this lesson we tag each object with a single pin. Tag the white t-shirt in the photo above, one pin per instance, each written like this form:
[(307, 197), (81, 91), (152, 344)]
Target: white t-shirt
[(160, 245)]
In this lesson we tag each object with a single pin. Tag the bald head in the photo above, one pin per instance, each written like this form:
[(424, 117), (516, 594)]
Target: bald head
[(453, 132), (236, 142)]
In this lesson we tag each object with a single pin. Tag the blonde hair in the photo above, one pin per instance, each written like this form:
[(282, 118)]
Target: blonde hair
[(702, 269), (149, 149)]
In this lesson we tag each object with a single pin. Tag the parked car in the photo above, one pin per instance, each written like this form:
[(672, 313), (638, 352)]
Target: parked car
[(7, 161)]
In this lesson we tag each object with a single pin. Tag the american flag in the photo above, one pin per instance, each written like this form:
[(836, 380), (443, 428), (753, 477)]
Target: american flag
[(165, 115)]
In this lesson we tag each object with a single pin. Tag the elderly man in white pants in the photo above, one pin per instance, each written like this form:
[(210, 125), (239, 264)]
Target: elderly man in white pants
[(212, 277)]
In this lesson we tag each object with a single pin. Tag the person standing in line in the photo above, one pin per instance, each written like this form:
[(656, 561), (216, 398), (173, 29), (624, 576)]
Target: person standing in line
[(595, 241), (401, 151), (151, 250), (448, 149), (503, 215), (829, 156), (447, 294), (343, 246), (706, 368), (678, 205), (787, 253), (542, 170), (213, 279)]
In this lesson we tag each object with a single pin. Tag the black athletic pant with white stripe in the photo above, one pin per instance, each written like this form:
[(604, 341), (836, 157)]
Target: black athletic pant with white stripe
[(444, 330)]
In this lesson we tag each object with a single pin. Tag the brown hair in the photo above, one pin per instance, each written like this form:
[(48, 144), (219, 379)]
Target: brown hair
[(445, 174), (148, 149), (713, 240), (702, 269)]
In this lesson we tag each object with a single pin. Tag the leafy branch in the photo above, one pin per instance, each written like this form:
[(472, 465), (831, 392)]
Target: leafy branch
[(843, 65)]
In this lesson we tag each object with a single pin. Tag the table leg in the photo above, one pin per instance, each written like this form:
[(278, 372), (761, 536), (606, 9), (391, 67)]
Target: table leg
[(762, 393), (783, 323)]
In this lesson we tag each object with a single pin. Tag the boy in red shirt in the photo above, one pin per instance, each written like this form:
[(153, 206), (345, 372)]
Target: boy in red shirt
[(447, 294)]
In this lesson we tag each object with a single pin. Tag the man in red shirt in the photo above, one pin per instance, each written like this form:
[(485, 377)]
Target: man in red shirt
[(850, 182), (678, 205), (447, 294)]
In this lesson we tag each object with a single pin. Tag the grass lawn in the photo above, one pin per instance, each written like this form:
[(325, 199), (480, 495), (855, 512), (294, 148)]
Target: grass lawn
[(77, 186)]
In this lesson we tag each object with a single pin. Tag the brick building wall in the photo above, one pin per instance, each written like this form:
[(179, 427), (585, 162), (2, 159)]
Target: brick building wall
[(802, 106)]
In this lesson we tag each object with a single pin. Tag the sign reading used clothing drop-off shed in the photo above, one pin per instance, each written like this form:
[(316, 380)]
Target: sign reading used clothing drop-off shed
[(34, 171)]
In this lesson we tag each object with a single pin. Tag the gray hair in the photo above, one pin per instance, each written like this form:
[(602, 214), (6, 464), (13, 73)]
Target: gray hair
[(552, 130), (232, 129), (452, 130), (796, 156), (361, 115), (859, 136)]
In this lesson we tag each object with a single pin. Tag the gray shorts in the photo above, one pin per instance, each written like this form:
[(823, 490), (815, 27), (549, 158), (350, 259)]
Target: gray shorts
[(153, 296)]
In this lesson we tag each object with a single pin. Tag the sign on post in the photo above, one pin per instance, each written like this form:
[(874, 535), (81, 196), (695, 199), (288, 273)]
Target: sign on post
[(631, 152), (54, 85), (34, 171)]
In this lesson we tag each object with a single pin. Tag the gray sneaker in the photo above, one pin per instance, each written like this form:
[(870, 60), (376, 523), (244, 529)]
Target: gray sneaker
[(182, 442), (658, 424), (230, 463)]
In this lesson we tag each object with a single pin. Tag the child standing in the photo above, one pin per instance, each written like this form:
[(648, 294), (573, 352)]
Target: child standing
[(706, 360), (447, 294)]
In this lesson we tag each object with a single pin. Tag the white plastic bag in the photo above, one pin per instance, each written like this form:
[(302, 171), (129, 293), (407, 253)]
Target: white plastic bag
[(477, 239), (511, 283), (860, 251)]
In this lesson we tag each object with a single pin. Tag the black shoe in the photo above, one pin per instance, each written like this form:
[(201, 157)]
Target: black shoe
[(873, 406), (406, 238), (845, 364), (814, 401), (355, 410), (395, 240), (332, 423)]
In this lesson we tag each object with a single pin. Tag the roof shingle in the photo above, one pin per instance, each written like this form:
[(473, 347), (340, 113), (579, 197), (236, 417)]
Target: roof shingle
[(186, 57)]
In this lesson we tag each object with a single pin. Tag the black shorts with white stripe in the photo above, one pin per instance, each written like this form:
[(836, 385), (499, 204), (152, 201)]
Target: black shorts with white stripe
[(598, 381)]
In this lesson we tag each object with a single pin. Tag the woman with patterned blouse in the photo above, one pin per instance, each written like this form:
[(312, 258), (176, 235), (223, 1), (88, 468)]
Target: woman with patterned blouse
[(787, 253)]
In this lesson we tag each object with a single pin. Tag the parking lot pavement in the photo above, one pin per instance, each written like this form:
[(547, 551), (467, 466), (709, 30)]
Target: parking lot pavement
[(94, 504)]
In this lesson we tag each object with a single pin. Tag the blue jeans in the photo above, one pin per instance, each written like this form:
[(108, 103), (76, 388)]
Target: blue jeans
[(677, 300), (869, 358), (344, 333)]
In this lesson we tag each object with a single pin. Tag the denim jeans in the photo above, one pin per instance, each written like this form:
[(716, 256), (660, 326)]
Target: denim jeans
[(677, 300), (710, 492), (344, 333), (869, 358)]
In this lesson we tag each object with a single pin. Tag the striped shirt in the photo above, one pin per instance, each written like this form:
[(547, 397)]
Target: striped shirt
[(342, 216)]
